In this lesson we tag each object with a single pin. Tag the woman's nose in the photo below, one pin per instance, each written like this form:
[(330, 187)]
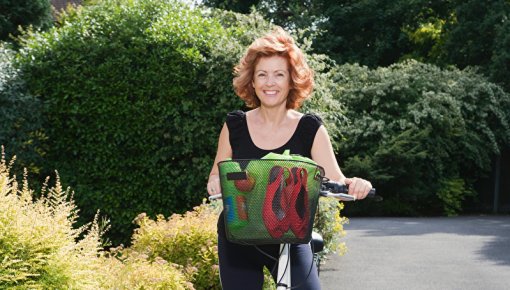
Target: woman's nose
[(270, 81)]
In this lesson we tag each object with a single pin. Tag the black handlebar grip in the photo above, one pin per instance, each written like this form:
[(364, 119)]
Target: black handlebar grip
[(335, 187)]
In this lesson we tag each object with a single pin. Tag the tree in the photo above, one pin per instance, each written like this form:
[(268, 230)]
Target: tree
[(478, 36), (232, 5), (374, 32), (499, 67), (15, 13), (292, 15)]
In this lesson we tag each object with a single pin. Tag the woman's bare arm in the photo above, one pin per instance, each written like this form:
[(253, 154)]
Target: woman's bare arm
[(224, 151), (322, 153)]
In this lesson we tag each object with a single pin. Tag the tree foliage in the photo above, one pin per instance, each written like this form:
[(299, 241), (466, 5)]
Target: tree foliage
[(374, 32), (473, 20), (499, 67), (15, 13), (478, 36), (232, 5), (292, 15)]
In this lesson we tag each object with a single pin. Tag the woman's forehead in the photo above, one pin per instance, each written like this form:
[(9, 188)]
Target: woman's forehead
[(274, 62)]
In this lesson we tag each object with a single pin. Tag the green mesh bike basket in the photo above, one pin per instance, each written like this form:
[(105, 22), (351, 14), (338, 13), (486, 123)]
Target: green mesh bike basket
[(269, 201)]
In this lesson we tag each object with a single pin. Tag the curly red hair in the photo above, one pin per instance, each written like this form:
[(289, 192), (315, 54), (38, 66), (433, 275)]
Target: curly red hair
[(280, 43)]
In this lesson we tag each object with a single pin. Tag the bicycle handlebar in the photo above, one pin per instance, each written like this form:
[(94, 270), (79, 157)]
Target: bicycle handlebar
[(214, 197), (329, 189)]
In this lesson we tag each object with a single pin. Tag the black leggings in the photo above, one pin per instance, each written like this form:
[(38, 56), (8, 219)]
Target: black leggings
[(241, 267)]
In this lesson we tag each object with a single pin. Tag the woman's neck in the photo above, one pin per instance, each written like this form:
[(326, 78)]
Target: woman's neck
[(272, 116)]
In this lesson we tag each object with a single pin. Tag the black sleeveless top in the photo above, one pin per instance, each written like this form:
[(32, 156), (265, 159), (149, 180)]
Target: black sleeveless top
[(243, 147)]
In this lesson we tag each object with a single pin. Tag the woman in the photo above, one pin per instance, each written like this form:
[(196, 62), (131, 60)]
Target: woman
[(274, 79)]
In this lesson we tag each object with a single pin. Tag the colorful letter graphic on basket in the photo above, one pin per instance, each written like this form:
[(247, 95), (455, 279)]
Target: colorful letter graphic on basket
[(286, 202), (236, 212)]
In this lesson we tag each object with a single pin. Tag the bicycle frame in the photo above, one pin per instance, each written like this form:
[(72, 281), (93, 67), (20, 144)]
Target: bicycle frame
[(283, 274)]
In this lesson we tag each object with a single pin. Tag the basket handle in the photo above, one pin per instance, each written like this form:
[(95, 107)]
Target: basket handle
[(237, 175)]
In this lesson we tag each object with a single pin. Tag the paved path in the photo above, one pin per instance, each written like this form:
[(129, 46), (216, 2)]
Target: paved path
[(422, 253)]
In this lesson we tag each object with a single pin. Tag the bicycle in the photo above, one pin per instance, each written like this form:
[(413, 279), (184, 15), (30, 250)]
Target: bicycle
[(274, 201)]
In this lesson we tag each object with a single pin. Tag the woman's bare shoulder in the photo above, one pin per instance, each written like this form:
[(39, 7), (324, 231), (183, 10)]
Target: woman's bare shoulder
[(293, 114)]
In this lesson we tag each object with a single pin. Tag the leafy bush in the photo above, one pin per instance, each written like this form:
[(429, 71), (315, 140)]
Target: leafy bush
[(451, 193), (14, 13), (20, 116), (131, 113), (417, 130), (135, 93)]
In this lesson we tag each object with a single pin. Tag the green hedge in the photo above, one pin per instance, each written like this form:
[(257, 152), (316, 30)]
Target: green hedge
[(135, 94), (422, 134), (130, 112)]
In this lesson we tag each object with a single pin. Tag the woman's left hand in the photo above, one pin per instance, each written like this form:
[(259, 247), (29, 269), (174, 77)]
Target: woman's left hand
[(358, 187)]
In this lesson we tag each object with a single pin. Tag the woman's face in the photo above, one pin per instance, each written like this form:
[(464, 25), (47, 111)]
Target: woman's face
[(271, 81)]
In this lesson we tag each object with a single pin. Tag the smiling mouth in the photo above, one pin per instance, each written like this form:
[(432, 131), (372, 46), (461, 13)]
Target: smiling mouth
[(270, 93)]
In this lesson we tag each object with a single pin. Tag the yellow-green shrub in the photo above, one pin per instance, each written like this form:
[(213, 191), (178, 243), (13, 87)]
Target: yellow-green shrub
[(39, 249), (188, 240), (329, 224), (129, 270)]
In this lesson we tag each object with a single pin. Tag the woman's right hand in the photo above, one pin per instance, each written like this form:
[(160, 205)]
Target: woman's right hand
[(213, 185)]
